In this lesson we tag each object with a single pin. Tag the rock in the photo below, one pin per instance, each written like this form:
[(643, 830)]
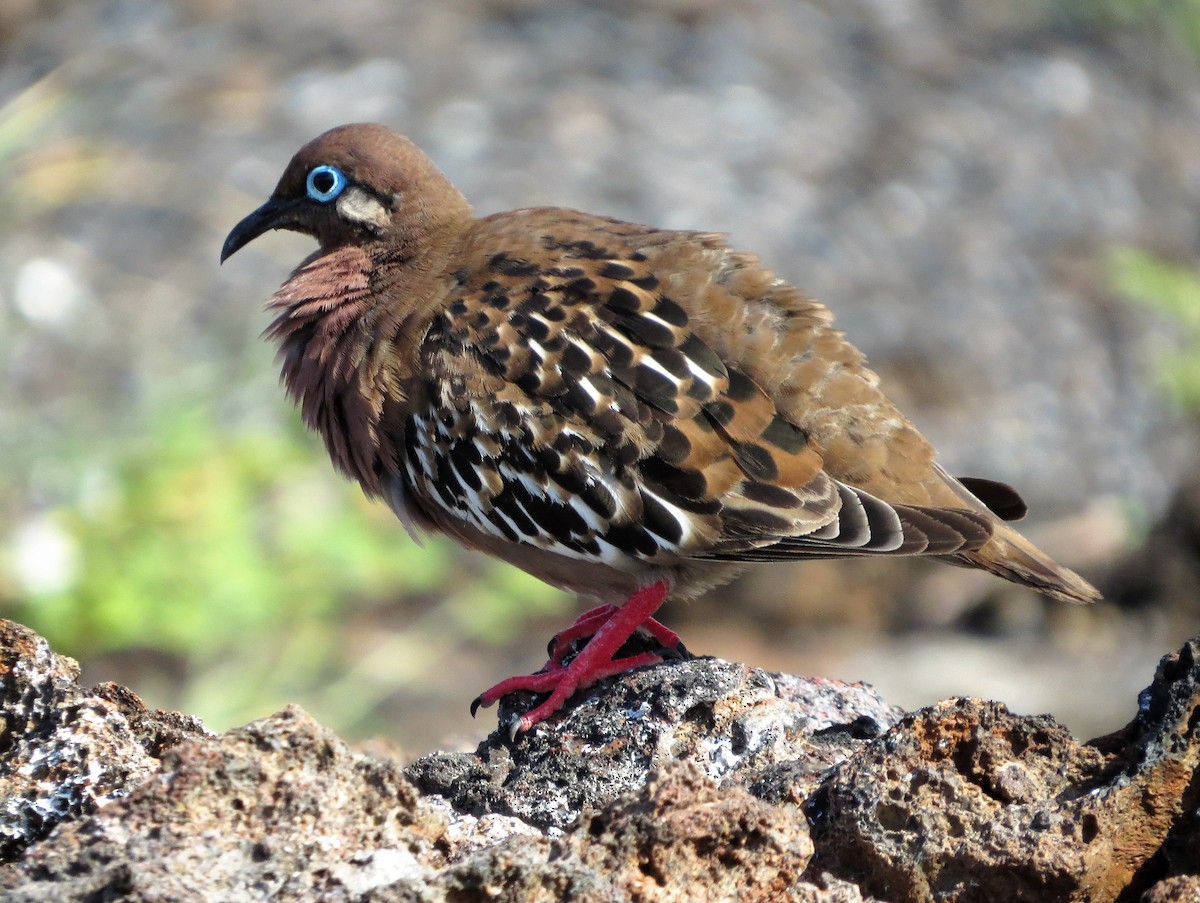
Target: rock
[(1184, 889), (966, 801), (280, 808), (897, 816), (66, 751), (693, 780), (736, 723), (683, 832)]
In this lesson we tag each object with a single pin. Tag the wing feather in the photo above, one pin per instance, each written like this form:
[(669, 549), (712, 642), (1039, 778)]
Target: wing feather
[(571, 405)]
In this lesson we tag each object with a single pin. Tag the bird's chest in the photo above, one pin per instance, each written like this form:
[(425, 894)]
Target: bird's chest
[(341, 401)]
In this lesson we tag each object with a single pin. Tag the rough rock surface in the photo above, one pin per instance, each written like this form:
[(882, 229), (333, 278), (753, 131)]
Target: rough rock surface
[(736, 723), (693, 780), (64, 751)]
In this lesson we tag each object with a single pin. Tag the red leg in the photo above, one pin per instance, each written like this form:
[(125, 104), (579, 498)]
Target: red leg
[(661, 632), (590, 621), (585, 625), (594, 662)]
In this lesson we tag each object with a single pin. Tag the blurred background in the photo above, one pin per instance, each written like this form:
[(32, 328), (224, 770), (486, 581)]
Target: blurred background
[(998, 201)]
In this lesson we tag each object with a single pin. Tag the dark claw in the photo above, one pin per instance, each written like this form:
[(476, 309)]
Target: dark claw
[(475, 704), (514, 728)]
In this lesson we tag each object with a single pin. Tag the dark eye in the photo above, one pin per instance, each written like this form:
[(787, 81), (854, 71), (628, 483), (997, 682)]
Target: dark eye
[(325, 183)]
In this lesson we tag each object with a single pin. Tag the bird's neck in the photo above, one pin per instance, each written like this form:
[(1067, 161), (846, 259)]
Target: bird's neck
[(347, 325)]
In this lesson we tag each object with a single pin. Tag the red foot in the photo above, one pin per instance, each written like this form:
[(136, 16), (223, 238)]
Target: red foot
[(610, 627)]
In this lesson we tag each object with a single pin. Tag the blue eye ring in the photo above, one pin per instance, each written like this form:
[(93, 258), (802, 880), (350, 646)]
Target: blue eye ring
[(331, 183)]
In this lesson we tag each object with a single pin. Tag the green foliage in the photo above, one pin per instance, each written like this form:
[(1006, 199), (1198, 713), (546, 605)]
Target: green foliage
[(243, 558), (1172, 291), (1177, 21), (199, 538)]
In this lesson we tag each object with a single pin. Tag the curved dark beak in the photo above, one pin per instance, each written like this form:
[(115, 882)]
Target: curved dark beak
[(277, 213)]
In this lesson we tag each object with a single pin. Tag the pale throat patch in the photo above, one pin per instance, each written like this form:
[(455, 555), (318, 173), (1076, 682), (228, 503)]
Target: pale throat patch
[(358, 206)]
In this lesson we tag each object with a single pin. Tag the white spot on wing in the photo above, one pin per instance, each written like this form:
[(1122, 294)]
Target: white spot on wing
[(701, 374), (650, 362), (655, 318), (682, 517), (592, 391)]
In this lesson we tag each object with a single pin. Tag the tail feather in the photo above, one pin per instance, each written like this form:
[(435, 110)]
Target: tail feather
[(1000, 498), (1010, 555)]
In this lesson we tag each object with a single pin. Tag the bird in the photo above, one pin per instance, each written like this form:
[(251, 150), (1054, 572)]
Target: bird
[(626, 412)]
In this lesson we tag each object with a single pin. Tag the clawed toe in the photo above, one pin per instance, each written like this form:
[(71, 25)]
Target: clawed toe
[(560, 683), (609, 627)]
